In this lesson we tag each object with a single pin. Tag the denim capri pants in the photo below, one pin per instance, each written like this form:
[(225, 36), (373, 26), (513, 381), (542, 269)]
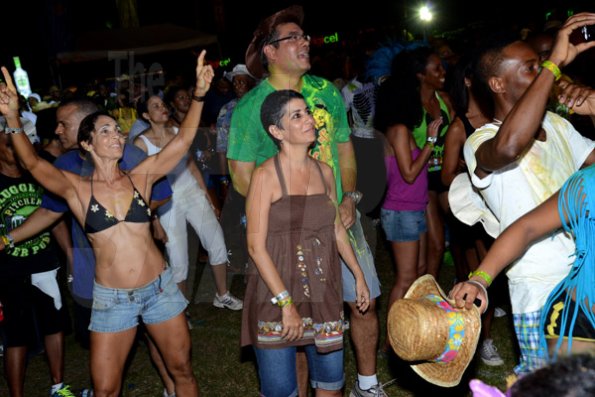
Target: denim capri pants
[(276, 370)]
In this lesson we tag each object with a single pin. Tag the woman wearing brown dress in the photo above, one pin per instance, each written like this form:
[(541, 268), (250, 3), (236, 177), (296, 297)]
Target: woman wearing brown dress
[(294, 292)]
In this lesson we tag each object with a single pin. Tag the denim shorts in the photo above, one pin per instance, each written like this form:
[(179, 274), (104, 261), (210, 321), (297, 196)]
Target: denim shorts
[(116, 310), (402, 226), (365, 258), (277, 374)]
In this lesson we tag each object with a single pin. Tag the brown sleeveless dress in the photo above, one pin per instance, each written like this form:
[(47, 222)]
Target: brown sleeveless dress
[(301, 242)]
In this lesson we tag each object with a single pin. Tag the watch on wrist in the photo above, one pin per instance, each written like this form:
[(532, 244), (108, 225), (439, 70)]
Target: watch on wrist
[(355, 196)]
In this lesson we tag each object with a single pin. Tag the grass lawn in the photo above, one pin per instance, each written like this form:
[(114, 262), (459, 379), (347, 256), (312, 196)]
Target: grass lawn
[(223, 369)]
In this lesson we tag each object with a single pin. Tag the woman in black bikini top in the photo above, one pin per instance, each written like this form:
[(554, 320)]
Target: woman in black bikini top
[(128, 262)]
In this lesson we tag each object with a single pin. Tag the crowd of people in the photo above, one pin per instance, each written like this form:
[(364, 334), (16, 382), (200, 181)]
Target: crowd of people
[(306, 167)]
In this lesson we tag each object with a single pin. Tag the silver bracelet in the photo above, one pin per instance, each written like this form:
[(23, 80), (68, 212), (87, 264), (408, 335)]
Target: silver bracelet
[(356, 196), (481, 287)]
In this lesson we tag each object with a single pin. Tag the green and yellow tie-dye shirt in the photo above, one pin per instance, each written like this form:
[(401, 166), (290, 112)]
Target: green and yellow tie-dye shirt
[(249, 142)]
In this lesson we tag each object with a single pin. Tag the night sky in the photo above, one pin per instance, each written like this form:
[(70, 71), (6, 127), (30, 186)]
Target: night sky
[(55, 24)]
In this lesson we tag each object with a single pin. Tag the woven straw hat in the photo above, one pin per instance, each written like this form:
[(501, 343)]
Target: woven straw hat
[(425, 329)]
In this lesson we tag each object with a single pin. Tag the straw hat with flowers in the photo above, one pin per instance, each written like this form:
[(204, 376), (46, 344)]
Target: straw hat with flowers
[(425, 329)]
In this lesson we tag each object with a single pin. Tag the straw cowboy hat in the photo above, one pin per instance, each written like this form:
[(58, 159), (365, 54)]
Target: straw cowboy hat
[(424, 328), (263, 33)]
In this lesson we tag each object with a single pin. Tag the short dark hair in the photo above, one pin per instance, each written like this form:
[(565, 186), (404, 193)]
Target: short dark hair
[(569, 376), (87, 126), (489, 60), (274, 107), (84, 106)]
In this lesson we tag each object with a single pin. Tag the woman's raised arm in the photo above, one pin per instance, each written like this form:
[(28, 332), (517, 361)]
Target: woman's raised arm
[(161, 163), (45, 173)]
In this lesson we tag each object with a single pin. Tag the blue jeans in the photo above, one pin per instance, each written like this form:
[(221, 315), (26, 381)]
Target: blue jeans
[(116, 310), (277, 373)]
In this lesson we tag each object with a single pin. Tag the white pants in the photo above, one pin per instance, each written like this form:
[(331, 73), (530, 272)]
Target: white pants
[(190, 204)]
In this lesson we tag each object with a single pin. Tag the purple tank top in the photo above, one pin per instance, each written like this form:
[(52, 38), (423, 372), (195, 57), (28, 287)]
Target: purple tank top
[(400, 195)]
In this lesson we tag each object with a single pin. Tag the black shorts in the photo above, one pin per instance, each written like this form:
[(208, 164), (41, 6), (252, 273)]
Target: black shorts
[(28, 312), (435, 182), (583, 329)]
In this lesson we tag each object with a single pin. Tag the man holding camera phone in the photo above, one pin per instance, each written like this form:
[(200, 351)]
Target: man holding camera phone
[(519, 160)]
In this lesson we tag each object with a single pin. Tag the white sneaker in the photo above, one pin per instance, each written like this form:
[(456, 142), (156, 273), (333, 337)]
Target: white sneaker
[(374, 391), (489, 353), (228, 301), (499, 312)]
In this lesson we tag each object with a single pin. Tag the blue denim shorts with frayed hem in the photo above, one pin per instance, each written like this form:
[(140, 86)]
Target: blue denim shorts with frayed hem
[(403, 226), (116, 310)]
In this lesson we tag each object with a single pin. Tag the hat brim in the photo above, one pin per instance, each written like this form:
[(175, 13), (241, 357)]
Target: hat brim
[(469, 207), (253, 60), (230, 75), (447, 374)]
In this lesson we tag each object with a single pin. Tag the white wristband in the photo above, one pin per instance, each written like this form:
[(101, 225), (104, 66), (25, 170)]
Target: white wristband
[(481, 287), (282, 295)]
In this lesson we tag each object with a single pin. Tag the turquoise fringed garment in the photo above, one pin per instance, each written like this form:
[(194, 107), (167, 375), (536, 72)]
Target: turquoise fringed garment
[(576, 207)]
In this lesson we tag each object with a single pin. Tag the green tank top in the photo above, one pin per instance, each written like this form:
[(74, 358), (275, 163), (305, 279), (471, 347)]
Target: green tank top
[(420, 135)]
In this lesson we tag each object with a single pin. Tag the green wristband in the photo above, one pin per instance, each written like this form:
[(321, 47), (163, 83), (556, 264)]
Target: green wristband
[(483, 275), (552, 67)]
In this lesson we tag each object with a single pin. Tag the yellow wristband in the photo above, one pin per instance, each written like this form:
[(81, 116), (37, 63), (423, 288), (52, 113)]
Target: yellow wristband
[(481, 274), (284, 302), (552, 67)]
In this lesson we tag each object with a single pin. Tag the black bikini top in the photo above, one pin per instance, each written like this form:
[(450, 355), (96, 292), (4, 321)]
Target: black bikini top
[(98, 218)]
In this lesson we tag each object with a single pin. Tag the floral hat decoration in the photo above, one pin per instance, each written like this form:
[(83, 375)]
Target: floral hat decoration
[(438, 340)]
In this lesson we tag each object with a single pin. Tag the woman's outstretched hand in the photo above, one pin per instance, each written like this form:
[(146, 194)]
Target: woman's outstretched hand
[(204, 75), (9, 98)]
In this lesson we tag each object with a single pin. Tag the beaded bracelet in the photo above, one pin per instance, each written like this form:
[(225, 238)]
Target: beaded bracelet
[(198, 98), (552, 67), (483, 275)]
